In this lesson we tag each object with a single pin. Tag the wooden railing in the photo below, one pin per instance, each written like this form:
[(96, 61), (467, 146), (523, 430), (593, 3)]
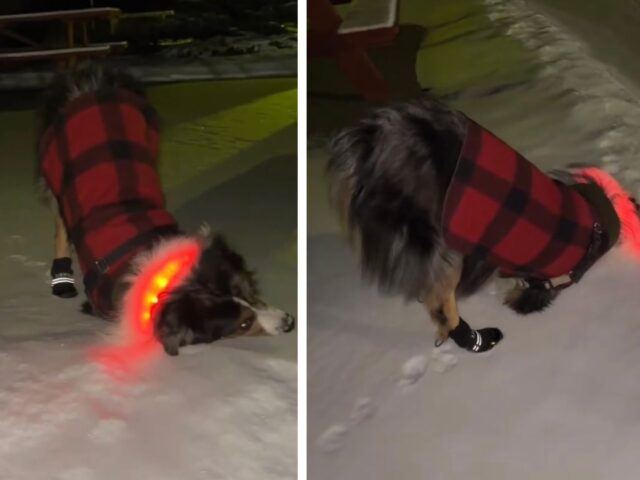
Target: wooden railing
[(74, 20)]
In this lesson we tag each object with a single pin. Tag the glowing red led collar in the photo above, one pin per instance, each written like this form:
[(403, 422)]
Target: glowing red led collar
[(622, 203), (155, 273), (163, 272)]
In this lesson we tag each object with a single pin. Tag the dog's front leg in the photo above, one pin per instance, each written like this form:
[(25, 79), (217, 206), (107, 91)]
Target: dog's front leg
[(62, 282), (443, 310), (530, 297), (61, 240)]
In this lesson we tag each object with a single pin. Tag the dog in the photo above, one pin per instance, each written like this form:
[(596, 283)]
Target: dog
[(436, 205), (97, 163)]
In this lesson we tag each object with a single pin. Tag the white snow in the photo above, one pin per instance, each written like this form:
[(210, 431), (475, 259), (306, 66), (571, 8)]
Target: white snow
[(558, 397), (221, 411)]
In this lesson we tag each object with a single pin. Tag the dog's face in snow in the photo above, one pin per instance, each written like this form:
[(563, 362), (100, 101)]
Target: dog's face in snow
[(219, 300)]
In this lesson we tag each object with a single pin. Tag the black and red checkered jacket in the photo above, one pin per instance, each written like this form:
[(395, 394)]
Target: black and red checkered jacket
[(99, 159), (501, 208)]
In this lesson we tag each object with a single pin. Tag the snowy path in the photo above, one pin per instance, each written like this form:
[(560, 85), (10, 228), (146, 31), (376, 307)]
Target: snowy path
[(64, 418), (218, 411), (557, 398)]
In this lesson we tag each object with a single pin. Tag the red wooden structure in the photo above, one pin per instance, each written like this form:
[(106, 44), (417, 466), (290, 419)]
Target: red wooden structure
[(371, 24)]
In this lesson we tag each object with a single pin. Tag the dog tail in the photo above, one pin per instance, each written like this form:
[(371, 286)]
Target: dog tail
[(393, 230), (86, 77), (623, 203)]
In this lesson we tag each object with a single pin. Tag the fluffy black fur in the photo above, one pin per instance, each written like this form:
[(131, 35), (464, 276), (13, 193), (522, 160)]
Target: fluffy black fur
[(388, 176), (531, 299), (87, 77), (206, 307)]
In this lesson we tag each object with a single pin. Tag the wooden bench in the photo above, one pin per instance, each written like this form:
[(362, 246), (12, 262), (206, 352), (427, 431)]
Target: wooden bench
[(64, 15), (61, 54), (367, 24), (71, 18), (161, 14)]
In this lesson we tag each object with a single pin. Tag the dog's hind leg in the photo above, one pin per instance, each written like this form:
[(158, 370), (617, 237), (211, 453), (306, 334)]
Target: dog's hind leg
[(437, 299), (62, 282), (443, 309)]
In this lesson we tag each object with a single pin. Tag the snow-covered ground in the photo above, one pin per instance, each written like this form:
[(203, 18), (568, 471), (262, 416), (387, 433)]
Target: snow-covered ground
[(558, 398), (220, 411)]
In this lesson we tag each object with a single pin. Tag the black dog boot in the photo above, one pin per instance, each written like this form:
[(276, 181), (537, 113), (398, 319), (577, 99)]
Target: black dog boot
[(475, 340), (62, 283)]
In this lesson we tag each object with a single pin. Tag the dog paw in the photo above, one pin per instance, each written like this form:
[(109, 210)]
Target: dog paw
[(363, 410), (64, 291), (475, 340), (332, 439), (529, 300), (487, 338), (413, 370)]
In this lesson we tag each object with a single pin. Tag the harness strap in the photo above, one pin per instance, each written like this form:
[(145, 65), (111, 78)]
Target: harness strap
[(594, 252), (102, 265)]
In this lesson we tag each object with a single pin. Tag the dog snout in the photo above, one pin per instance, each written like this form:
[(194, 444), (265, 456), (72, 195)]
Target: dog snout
[(274, 321), (289, 323)]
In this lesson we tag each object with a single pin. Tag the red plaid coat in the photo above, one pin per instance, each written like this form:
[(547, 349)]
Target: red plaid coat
[(100, 161), (501, 208)]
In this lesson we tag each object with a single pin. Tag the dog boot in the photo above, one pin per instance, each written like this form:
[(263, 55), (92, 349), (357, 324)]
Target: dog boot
[(62, 283), (475, 340)]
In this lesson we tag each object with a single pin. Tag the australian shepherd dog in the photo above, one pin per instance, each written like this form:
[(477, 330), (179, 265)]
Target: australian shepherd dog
[(435, 205), (98, 163)]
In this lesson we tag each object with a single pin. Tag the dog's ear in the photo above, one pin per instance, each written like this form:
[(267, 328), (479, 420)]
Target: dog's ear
[(204, 234), (220, 245), (524, 300), (242, 280), (219, 257), (223, 272)]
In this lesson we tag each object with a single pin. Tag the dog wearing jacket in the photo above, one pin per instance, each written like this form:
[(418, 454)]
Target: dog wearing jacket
[(98, 158), (435, 204)]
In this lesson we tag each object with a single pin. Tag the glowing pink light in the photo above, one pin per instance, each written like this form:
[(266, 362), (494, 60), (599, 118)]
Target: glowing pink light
[(624, 207), (138, 345)]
